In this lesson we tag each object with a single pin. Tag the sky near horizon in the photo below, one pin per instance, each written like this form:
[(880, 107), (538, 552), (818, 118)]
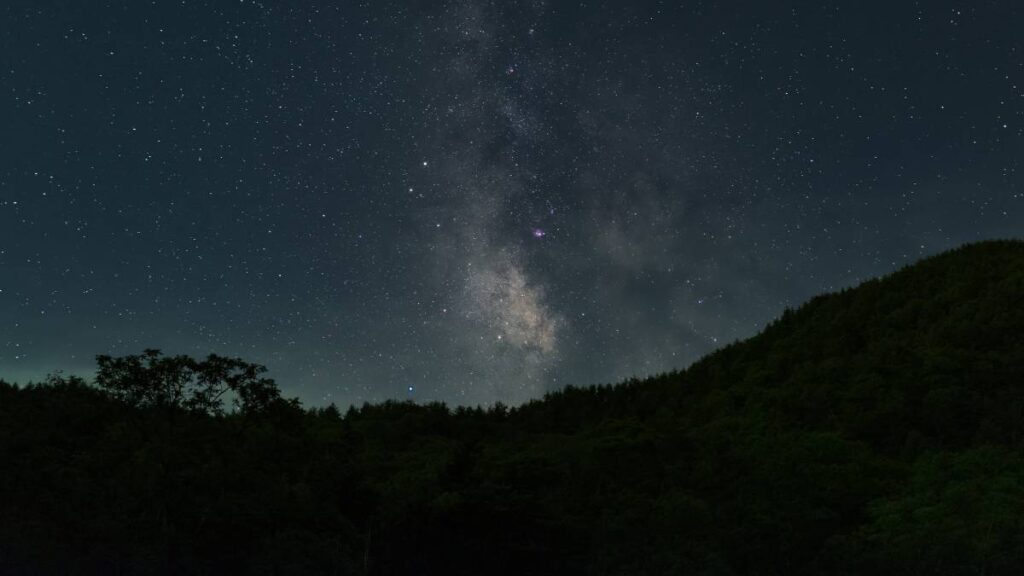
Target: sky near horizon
[(474, 201)]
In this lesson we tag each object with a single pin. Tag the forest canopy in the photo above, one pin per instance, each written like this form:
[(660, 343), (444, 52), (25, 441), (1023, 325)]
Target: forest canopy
[(875, 430)]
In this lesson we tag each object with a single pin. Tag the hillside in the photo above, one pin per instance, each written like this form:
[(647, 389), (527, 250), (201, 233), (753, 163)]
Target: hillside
[(875, 430)]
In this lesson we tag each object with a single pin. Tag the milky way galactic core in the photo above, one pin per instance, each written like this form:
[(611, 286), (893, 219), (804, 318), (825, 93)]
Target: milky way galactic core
[(475, 201)]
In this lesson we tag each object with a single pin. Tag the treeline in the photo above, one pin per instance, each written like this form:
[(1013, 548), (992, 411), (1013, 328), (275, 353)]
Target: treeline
[(876, 430)]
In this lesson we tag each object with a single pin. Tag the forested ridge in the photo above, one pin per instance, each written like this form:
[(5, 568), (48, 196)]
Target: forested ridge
[(875, 430)]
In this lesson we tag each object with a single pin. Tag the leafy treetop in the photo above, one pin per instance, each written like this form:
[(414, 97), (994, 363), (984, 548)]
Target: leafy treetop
[(153, 380)]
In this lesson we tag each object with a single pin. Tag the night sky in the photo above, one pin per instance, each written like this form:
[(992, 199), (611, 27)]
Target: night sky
[(475, 201)]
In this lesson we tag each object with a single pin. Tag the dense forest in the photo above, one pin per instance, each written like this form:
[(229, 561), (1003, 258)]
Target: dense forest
[(875, 430)]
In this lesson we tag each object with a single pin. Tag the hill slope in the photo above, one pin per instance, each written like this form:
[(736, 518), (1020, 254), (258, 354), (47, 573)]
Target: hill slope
[(879, 429)]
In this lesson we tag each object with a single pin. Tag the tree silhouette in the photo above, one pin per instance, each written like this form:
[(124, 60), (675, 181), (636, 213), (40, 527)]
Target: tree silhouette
[(153, 380), (873, 431)]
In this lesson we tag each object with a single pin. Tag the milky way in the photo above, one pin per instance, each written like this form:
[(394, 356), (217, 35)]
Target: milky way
[(481, 201)]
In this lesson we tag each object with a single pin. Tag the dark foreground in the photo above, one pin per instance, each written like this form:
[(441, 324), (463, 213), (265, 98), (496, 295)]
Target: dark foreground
[(878, 430)]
